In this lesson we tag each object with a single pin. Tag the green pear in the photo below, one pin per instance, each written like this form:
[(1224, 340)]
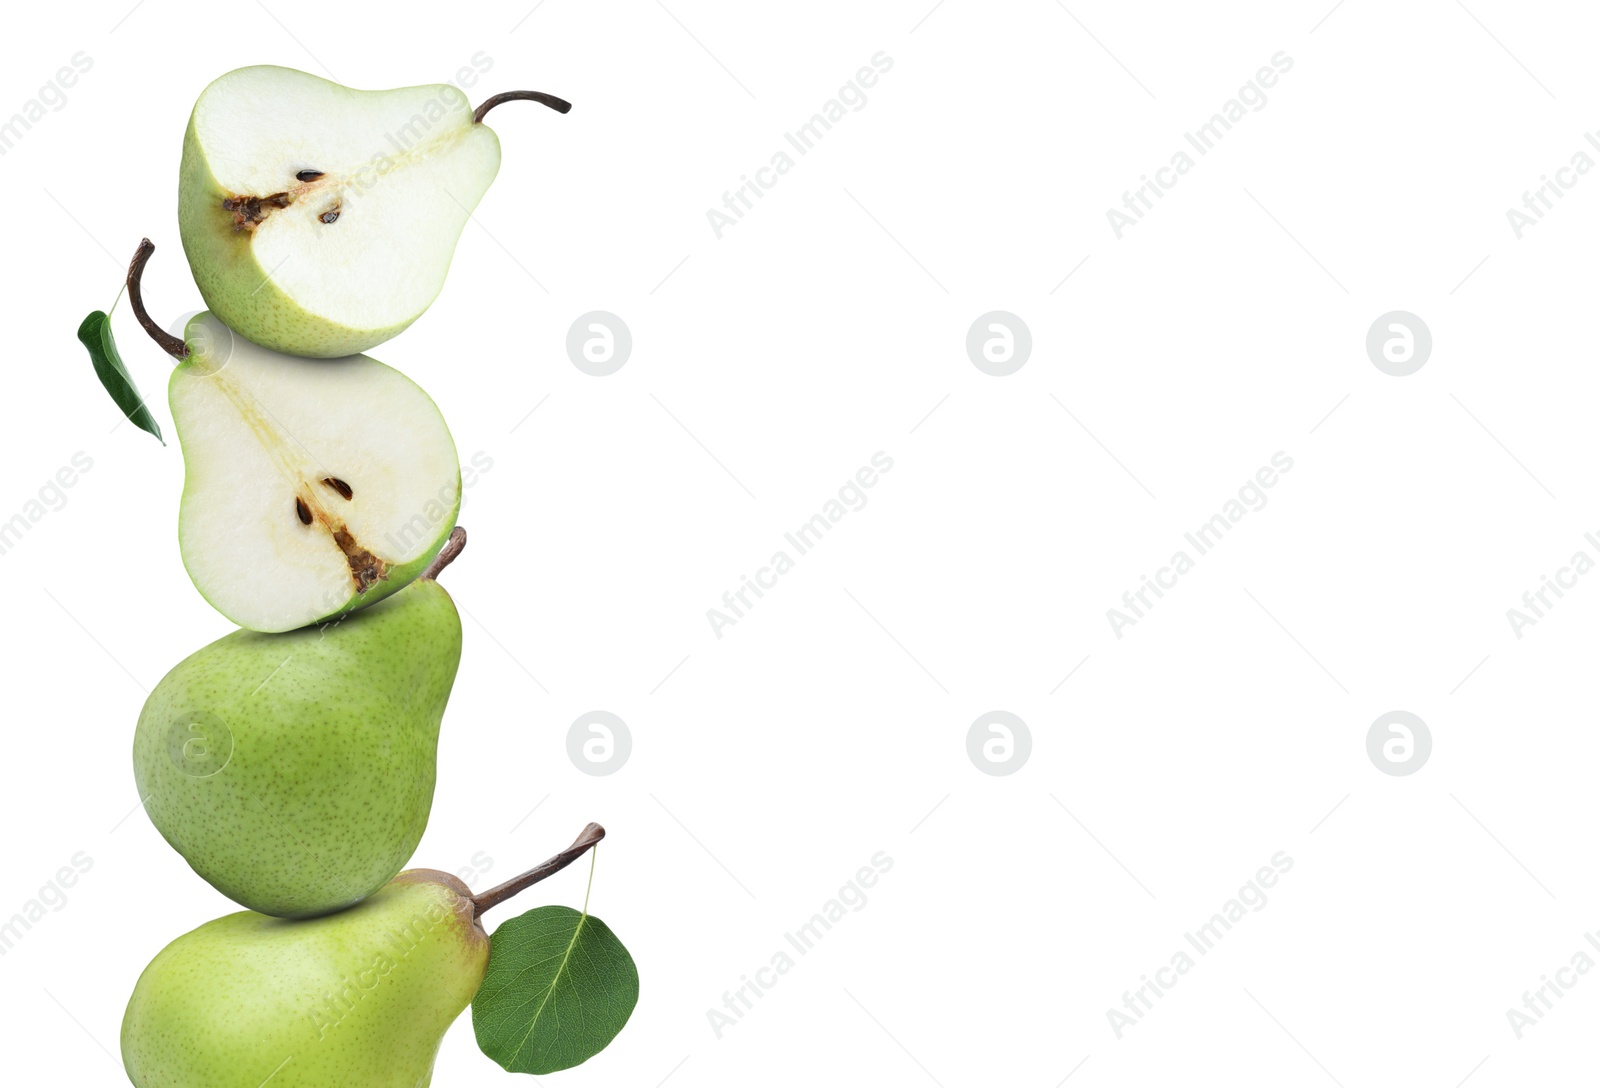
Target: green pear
[(320, 220), (295, 772), (358, 999), (310, 488)]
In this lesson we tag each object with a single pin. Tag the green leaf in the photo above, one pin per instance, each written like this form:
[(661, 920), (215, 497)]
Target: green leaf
[(95, 333), (558, 989)]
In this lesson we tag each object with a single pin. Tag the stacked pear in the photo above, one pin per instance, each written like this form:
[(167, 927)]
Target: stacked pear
[(311, 487), (320, 220), (295, 772), (358, 999), (292, 762)]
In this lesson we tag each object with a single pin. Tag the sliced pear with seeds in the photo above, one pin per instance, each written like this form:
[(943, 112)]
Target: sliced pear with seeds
[(312, 487), (320, 220)]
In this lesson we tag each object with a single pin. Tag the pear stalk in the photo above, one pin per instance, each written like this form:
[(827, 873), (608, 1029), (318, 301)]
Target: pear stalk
[(587, 839), (164, 339), (446, 556), (560, 105)]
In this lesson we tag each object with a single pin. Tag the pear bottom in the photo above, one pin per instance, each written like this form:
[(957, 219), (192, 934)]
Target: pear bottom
[(358, 999)]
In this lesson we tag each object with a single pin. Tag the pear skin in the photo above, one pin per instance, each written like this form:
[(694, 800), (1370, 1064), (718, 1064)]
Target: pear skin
[(295, 772), (358, 999)]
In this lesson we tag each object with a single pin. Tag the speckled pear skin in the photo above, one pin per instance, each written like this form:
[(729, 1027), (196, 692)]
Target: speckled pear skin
[(359, 999), (295, 772)]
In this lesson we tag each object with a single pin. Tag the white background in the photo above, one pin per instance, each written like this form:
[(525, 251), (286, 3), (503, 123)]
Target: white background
[(830, 723)]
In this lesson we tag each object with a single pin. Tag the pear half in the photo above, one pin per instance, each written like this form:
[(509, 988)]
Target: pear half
[(320, 220), (311, 487)]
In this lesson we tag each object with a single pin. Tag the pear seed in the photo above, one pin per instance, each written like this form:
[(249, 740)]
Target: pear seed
[(303, 510), (344, 489)]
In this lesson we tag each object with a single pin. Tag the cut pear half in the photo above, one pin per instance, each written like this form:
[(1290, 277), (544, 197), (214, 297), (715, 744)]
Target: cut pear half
[(321, 220), (312, 487)]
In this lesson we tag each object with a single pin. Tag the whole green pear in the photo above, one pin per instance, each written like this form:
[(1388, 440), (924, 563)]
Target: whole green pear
[(295, 772), (358, 999)]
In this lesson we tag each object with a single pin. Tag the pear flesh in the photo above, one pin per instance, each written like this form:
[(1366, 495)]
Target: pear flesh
[(360, 999), (295, 772), (311, 488), (320, 220)]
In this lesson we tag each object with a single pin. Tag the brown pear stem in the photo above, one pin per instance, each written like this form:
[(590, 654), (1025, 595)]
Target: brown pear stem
[(560, 105), (447, 554), (585, 841), (164, 339)]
